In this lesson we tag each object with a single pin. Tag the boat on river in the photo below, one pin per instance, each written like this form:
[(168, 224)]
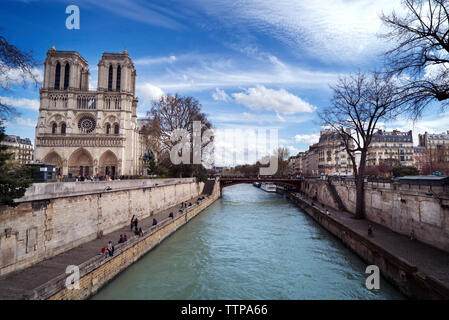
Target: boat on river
[(268, 187)]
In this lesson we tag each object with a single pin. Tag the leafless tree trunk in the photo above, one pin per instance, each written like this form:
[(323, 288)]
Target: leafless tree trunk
[(359, 102)]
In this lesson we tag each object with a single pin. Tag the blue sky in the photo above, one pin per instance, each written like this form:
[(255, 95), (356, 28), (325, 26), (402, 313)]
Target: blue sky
[(251, 64)]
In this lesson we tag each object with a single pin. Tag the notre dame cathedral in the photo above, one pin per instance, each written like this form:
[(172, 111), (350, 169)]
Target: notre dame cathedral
[(84, 132)]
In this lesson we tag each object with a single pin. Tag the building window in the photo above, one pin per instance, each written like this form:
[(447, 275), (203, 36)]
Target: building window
[(110, 78), (108, 129), (57, 75), (63, 128), (116, 129), (53, 128), (119, 76), (66, 76)]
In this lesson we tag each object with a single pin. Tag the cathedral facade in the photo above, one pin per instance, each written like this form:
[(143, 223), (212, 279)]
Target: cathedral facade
[(84, 132)]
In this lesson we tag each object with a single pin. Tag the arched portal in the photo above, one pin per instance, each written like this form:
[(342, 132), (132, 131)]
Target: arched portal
[(81, 163), (108, 164), (55, 159)]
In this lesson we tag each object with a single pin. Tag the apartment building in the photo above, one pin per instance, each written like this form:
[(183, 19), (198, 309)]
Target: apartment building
[(22, 148), (393, 146), (333, 158)]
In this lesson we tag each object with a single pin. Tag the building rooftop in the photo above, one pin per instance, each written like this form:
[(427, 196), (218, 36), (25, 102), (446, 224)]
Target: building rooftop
[(392, 136), (17, 139)]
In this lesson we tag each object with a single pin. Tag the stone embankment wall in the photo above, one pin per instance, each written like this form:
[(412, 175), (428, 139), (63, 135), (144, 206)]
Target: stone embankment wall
[(98, 271), (55, 217), (405, 276), (418, 210)]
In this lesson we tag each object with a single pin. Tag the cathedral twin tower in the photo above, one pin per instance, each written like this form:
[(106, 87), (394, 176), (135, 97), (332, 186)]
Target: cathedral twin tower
[(85, 132)]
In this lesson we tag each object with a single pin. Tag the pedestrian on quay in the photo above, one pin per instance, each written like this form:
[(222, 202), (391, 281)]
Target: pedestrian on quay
[(140, 232), (171, 215), (154, 222), (132, 222), (121, 240), (136, 221), (110, 249), (125, 238), (370, 230)]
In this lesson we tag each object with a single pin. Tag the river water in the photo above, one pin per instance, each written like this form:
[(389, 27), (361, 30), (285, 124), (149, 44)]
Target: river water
[(248, 245)]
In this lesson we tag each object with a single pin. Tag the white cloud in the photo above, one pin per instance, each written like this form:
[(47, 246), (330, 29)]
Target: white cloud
[(281, 119), (281, 101), (200, 72), (23, 103), (25, 122), (13, 76), (308, 139), (221, 95), (293, 150), (149, 92), (328, 29)]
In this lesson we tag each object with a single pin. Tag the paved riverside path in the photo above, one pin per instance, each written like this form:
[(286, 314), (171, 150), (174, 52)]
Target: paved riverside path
[(20, 283), (429, 260)]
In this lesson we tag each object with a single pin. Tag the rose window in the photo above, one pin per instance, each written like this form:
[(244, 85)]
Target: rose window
[(86, 124)]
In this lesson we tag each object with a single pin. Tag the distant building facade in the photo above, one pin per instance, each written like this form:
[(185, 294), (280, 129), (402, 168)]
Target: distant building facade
[(394, 146), (333, 158), (310, 161), (22, 149), (295, 164), (84, 132), (437, 145)]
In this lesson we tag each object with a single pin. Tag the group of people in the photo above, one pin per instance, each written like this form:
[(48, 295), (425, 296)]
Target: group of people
[(123, 238), (108, 250), (134, 225), (185, 204)]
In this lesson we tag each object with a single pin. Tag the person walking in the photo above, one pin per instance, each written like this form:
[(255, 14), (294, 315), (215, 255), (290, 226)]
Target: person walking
[(136, 221), (370, 230), (132, 222)]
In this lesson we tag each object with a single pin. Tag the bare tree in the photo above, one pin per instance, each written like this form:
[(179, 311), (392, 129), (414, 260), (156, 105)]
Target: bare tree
[(171, 113), (420, 55), (15, 65), (359, 102)]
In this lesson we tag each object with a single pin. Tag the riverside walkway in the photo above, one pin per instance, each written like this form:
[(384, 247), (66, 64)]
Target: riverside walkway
[(20, 284), (429, 260)]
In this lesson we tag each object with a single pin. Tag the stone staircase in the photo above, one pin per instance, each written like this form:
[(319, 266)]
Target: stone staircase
[(208, 187), (335, 196)]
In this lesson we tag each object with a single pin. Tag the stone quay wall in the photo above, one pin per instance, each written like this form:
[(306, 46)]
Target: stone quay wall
[(52, 218), (409, 280), (421, 211), (98, 271)]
